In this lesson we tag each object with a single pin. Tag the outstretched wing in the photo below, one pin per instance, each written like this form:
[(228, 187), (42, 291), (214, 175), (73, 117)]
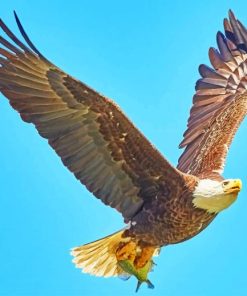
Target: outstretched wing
[(219, 104), (94, 139)]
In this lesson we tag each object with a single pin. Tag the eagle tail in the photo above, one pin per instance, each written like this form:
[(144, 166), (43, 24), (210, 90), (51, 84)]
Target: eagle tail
[(99, 257)]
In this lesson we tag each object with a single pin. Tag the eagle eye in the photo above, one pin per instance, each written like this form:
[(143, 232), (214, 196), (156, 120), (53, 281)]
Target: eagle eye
[(225, 183)]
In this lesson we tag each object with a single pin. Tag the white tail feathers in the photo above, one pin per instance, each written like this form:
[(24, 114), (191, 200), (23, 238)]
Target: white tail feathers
[(98, 258)]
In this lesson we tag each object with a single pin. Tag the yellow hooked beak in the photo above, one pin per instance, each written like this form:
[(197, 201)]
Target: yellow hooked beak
[(231, 186)]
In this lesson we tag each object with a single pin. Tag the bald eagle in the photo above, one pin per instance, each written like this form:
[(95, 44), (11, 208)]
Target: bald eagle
[(161, 204)]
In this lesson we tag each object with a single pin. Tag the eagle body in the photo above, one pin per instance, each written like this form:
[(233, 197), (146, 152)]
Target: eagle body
[(98, 143), (168, 219)]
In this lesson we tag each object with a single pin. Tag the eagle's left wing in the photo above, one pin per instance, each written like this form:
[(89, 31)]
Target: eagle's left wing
[(90, 133), (219, 104)]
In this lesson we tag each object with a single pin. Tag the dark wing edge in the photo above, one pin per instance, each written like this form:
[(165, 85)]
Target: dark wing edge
[(94, 139), (27, 39), (219, 104)]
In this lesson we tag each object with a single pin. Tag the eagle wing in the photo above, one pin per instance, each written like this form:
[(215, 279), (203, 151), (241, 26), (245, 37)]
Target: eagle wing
[(219, 104), (94, 139)]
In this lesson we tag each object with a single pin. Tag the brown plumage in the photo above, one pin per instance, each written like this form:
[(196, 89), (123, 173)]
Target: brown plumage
[(219, 104), (110, 156)]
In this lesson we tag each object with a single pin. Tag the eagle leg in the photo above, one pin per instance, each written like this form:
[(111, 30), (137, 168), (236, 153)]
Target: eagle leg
[(145, 256), (126, 251)]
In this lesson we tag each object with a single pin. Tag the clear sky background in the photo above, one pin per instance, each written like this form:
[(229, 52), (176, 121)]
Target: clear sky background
[(144, 55)]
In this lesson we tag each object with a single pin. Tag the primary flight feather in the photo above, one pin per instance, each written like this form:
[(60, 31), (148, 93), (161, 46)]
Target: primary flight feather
[(112, 158)]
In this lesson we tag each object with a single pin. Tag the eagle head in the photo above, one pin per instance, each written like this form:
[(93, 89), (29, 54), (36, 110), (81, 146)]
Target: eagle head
[(215, 196)]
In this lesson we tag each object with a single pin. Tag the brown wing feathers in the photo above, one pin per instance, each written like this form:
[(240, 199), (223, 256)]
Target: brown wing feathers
[(219, 104), (89, 132)]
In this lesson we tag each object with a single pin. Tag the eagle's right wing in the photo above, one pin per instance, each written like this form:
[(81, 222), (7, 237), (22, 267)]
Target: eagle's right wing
[(219, 104)]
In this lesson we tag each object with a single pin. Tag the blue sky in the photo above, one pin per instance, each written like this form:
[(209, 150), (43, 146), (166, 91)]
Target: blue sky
[(144, 55)]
